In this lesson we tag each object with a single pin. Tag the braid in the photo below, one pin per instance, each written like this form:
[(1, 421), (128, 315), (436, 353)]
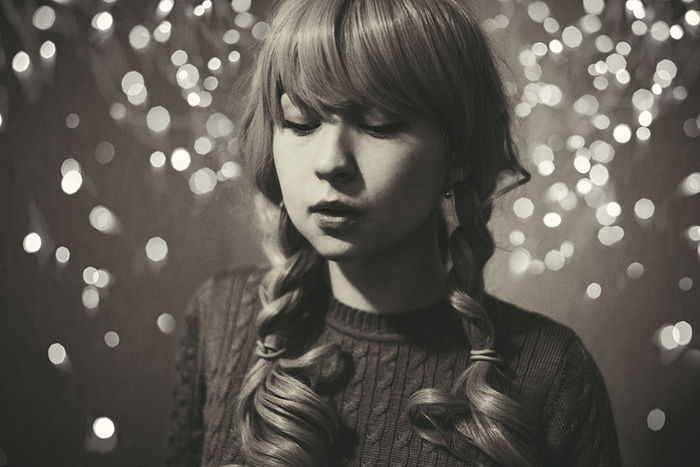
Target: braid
[(474, 408), (283, 421)]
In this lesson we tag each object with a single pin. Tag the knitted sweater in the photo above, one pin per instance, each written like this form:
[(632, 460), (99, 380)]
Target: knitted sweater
[(393, 356)]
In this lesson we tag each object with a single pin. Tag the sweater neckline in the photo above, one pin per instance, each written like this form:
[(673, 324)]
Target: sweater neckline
[(421, 323)]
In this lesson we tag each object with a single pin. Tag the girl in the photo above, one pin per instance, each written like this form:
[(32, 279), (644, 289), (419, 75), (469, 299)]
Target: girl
[(379, 129)]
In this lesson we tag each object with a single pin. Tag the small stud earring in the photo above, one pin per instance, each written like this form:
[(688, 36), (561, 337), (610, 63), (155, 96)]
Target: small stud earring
[(448, 194)]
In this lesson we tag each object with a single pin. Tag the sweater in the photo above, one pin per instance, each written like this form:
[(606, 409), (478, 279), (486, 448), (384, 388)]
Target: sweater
[(393, 355)]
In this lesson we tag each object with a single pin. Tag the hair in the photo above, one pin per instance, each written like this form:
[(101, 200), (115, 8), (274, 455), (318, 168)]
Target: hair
[(428, 56)]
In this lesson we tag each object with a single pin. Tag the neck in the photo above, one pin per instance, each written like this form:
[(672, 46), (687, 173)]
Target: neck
[(407, 276)]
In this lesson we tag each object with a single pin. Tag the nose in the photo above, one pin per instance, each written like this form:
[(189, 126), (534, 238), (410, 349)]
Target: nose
[(335, 161)]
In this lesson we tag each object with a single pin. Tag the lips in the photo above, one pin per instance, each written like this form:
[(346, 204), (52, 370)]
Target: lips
[(334, 216)]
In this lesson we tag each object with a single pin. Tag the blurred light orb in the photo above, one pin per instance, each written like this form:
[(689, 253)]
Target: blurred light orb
[(229, 170), (682, 333), (157, 159), (205, 98), (203, 145), (623, 76), (594, 290), (71, 182), (691, 184), (234, 56), (103, 278), (557, 191), (522, 109), (603, 216), (239, 6), (199, 10), (47, 51), (211, 83), (639, 28), (551, 25), (555, 46), (104, 152), (102, 21), (644, 208), (591, 24), (623, 48), (90, 297), (538, 11), (179, 57), (117, 111), (139, 37), (193, 99), (102, 219), (44, 17), (31, 242), (693, 233), (599, 174), (572, 37), (516, 237), (601, 121), (604, 44), (232, 36), (545, 168), (575, 141), (609, 235), (676, 31), (615, 62), (539, 49), (156, 249), (158, 119), (645, 118), (635, 270), (72, 120), (685, 284), (180, 159), (203, 181), (62, 254), (552, 220), (187, 76), (613, 209), (536, 267), (643, 133), (656, 419), (692, 17), (554, 260), (519, 261), (162, 32), (90, 275), (622, 133), (21, 62), (219, 126), (567, 248), (111, 339), (165, 7), (262, 29), (166, 323), (602, 151), (584, 186), (103, 428), (57, 353), (643, 99), (569, 201), (600, 83), (523, 208), (244, 20), (680, 93), (214, 63), (593, 7), (586, 105), (660, 31)]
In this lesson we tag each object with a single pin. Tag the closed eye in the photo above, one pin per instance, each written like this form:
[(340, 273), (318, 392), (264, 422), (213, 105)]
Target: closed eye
[(300, 129), (383, 131)]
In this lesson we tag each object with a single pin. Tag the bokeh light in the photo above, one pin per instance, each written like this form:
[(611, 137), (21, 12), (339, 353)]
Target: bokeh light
[(656, 419), (156, 249), (32, 242), (166, 323), (103, 428), (57, 354)]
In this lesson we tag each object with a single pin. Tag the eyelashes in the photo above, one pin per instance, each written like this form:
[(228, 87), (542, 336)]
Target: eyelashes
[(377, 131)]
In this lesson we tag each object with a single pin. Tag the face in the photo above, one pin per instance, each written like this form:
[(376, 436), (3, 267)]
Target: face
[(362, 182)]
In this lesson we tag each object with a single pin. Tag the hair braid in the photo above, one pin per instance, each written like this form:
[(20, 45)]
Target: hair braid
[(283, 421), (475, 408)]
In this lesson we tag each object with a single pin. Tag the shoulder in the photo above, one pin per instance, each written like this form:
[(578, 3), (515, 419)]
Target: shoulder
[(536, 348)]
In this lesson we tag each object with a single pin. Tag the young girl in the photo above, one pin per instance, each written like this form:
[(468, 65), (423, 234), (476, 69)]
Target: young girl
[(379, 129)]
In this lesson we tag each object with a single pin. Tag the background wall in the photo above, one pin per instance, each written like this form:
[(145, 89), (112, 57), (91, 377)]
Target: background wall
[(121, 191)]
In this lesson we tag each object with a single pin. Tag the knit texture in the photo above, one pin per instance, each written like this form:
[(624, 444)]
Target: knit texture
[(391, 356)]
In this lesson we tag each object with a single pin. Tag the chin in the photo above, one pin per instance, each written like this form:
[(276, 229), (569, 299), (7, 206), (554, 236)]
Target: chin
[(334, 249)]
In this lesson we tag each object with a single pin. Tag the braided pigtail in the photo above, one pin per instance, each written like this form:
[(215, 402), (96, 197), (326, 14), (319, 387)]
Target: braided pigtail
[(283, 422), (475, 407)]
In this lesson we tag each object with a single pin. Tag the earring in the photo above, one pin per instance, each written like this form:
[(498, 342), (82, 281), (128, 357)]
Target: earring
[(448, 194)]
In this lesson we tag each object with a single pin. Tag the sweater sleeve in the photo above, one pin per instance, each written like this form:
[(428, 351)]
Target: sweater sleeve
[(579, 425), (183, 446)]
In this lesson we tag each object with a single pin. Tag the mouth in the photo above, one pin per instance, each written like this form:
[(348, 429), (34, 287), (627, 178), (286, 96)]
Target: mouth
[(334, 216)]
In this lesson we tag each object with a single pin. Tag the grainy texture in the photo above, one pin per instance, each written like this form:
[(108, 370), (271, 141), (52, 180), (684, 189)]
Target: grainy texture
[(392, 357)]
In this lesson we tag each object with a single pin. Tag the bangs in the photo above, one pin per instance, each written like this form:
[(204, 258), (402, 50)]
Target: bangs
[(337, 55)]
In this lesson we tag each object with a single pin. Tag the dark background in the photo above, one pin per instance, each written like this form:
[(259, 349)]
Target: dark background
[(47, 411)]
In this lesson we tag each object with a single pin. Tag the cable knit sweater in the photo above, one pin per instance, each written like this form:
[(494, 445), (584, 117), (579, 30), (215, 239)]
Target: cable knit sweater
[(392, 357)]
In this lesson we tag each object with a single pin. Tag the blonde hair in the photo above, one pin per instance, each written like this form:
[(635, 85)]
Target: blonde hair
[(428, 56)]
